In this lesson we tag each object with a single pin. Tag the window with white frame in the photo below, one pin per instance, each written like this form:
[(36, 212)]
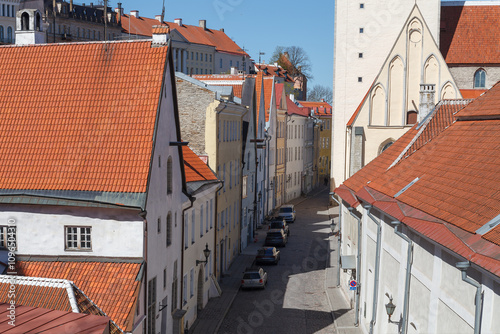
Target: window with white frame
[(78, 238)]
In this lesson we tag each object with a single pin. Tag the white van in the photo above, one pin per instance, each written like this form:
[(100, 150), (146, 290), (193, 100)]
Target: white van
[(287, 211)]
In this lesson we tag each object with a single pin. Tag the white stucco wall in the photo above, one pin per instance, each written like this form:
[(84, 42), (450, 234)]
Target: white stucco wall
[(381, 22), (160, 204), (41, 230), (439, 301), (295, 163)]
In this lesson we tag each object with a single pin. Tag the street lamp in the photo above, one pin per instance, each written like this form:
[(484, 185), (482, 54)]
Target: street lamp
[(332, 226), (206, 252)]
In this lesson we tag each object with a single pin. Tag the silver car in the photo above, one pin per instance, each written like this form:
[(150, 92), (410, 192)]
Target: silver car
[(254, 278)]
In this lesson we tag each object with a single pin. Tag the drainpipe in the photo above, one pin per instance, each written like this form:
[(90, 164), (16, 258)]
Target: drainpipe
[(339, 237), (377, 267), (409, 261), (358, 266), (463, 266)]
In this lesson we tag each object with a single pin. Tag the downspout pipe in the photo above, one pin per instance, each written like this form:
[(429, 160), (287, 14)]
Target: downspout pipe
[(358, 266), (409, 261), (339, 237), (463, 266), (368, 208)]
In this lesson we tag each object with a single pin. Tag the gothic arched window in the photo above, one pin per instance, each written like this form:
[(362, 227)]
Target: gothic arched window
[(480, 79)]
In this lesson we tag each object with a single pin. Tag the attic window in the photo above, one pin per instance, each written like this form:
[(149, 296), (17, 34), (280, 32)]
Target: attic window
[(78, 238)]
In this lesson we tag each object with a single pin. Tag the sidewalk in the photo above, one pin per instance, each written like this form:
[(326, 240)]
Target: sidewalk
[(210, 318), (342, 314)]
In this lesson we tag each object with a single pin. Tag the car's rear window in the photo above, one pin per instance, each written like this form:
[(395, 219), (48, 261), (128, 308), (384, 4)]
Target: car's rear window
[(274, 235), (286, 210), (265, 252), (251, 276), (277, 225)]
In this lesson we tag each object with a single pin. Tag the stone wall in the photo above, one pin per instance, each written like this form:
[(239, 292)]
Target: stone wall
[(464, 75), (193, 102)]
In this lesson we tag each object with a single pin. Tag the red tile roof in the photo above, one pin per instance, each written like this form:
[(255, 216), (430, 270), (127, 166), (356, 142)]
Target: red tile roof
[(280, 90), (111, 286), (469, 34), (320, 108), (143, 26), (195, 168), (471, 93), (273, 71), (451, 179), (258, 93), (488, 105), (293, 109), (88, 115), (228, 80), (45, 321), (268, 93)]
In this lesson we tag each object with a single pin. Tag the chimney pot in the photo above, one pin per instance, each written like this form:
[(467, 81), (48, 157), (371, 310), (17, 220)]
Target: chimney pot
[(178, 22), (203, 24), (427, 93), (222, 29)]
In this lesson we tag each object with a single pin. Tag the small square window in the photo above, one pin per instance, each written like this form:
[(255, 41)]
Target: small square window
[(78, 238), (360, 79), (361, 5), (360, 55), (361, 30)]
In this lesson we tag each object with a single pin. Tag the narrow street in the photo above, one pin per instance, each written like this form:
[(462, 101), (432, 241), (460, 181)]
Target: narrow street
[(294, 300)]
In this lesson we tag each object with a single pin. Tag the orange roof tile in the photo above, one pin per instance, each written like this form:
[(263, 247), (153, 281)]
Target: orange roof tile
[(272, 70), (195, 168), (143, 26), (469, 34), (320, 108), (258, 92), (471, 93), (293, 109), (228, 80), (268, 92), (487, 105), (451, 178), (280, 89), (111, 286), (87, 108)]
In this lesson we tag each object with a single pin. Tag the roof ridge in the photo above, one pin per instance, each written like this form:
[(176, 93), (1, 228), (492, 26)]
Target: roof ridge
[(78, 43)]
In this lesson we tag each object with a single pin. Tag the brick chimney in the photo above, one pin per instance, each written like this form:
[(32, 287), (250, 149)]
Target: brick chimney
[(119, 12), (178, 22), (426, 100), (203, 24), (134, 13)]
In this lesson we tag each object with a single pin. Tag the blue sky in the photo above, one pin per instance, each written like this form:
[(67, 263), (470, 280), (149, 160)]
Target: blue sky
[(259, 25)]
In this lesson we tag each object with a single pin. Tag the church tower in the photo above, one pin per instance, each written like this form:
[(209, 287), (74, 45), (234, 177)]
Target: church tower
[(365, 32), (29, 27)]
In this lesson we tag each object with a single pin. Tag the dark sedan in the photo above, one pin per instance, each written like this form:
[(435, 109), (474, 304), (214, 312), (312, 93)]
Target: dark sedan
[(267, 255)]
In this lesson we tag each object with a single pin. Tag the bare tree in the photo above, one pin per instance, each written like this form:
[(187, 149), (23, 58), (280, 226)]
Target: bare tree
[(294, 59), (319, 92)]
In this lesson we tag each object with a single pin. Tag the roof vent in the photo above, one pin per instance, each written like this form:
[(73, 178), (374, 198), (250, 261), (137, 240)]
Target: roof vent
[(178, 22), (134, 13)]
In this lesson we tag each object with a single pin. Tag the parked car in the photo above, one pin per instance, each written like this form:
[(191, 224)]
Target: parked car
[(287, 211), (254, 278), (267, 255), (276, 237), (280, 222)]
